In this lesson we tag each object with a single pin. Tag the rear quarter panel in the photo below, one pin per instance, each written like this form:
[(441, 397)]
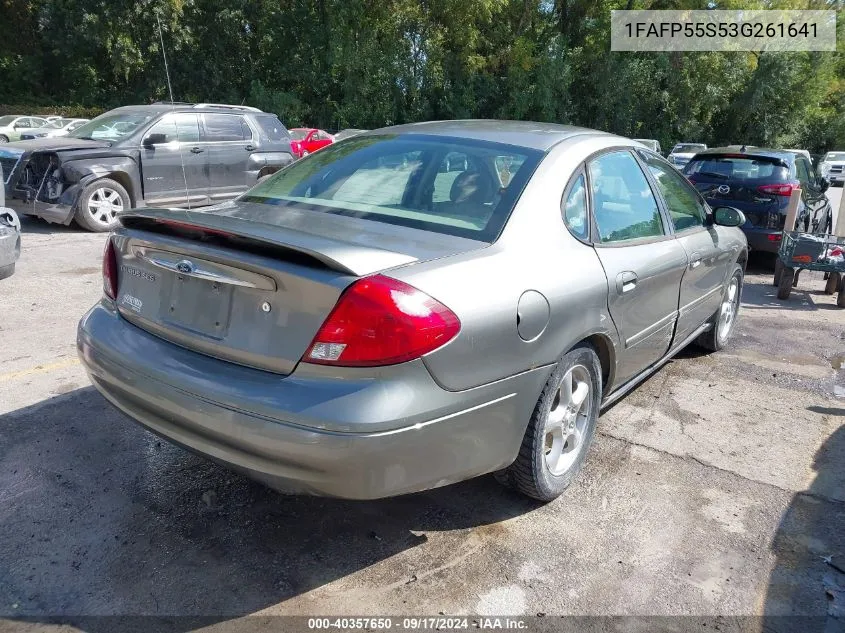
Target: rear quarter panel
[(536, 253)]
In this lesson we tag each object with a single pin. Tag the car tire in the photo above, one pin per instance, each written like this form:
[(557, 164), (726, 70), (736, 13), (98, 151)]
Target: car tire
[(778, 271), (785, 284), (724, 319), (561, 428), (7, 271), (832, 284), (4, 139), (99, 204)]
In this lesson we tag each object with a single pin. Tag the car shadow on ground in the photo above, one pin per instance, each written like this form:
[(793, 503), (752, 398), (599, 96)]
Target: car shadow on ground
[(30, 224), (757, 296), (98, 516), (806, 590)]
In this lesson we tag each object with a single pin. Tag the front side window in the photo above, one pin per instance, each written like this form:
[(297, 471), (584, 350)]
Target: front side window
[(178, 127), (432, 183), (574, 209), (624, 206), (112, 127), (686, 209), (226, 127)]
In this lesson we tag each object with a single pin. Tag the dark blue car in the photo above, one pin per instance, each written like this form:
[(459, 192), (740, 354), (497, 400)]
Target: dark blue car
[(759, 182)]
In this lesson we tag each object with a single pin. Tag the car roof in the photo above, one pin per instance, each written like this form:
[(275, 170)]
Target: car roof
[(158, 108), (528, 134), (763, 152)]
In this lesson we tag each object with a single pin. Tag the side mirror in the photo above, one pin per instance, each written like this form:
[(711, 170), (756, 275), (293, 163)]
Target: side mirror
[(728, 216), (151, 140)]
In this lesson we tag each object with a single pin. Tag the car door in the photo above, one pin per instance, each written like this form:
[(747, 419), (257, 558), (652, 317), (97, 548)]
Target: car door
[(643, 262), (230, 144), (704, 277), (819, 217), (174, 172), (18, 126)]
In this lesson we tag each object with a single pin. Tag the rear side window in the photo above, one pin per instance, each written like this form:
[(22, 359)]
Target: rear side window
[(624, 206), (272, 127), (574, 208), (802, 169), (729, 167), (226, 127), (433, 183)]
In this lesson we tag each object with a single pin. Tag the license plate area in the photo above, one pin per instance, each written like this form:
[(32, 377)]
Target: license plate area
[(197, 305)]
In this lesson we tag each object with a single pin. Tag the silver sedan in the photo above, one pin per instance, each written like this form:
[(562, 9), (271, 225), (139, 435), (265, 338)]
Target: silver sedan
[(414, 306)]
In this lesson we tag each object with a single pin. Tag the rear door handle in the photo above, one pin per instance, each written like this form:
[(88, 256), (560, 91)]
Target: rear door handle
[(626, 281), (197, 150), (694, 260)]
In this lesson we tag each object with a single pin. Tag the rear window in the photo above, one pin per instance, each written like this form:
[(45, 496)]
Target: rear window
[(688, 148), (737, 167), (298, 135), (272, 127), (439, 184)]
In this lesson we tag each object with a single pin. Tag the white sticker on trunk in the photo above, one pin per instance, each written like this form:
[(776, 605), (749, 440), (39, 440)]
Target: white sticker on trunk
[(133, 302)]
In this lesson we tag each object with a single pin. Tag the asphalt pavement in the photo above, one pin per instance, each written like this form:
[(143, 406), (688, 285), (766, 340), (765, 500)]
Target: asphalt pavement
[(715, 488)]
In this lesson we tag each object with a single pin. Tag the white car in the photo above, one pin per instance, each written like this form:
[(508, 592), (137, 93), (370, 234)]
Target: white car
[(56, 127), (11, 126), (803, 152), (10, 236), (652, 144), (832, 167), (682, 153)]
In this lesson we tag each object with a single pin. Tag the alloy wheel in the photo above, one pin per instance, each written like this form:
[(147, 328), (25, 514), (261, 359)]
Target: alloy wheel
[(566, 422), (730, 306), (104, 205)]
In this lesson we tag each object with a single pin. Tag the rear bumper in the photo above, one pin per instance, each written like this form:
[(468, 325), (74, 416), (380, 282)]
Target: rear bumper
[(760, 240), (317, 431)]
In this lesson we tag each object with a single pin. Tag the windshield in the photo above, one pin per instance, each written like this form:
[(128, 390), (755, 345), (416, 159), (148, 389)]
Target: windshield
[(298, 135), (828, 156), (452, 186), (6, 120), (688, 148), (112, 127)]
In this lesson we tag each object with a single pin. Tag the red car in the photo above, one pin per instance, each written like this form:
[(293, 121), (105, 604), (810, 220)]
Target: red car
[(305, 140)]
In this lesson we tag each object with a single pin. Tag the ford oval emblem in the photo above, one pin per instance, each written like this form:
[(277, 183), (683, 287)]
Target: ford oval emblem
[(185, 266), (723, 189)]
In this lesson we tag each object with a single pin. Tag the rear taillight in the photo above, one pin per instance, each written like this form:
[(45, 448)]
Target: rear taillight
[(775, 237), (110, 270), (382, 321), (785, 189)]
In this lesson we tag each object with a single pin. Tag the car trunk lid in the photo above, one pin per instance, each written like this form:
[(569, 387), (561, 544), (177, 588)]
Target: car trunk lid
[(247, 291)]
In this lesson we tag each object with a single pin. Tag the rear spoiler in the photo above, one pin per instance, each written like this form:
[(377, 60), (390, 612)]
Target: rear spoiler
[(345, 257)]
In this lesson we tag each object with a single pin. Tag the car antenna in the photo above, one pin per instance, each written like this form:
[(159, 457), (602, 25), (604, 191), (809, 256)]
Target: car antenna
[(173, 103)]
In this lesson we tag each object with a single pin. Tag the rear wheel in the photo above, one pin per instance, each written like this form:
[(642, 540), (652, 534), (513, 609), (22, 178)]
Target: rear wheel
[(832, 284), (561, 428), (99, 203), (4, 139), (723, 321), (785, 283), (7, 271)]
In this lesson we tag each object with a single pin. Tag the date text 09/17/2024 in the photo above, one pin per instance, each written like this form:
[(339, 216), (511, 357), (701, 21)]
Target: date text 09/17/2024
[(418, 623)]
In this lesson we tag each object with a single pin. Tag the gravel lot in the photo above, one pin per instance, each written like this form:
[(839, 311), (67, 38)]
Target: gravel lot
[(716, 488)]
